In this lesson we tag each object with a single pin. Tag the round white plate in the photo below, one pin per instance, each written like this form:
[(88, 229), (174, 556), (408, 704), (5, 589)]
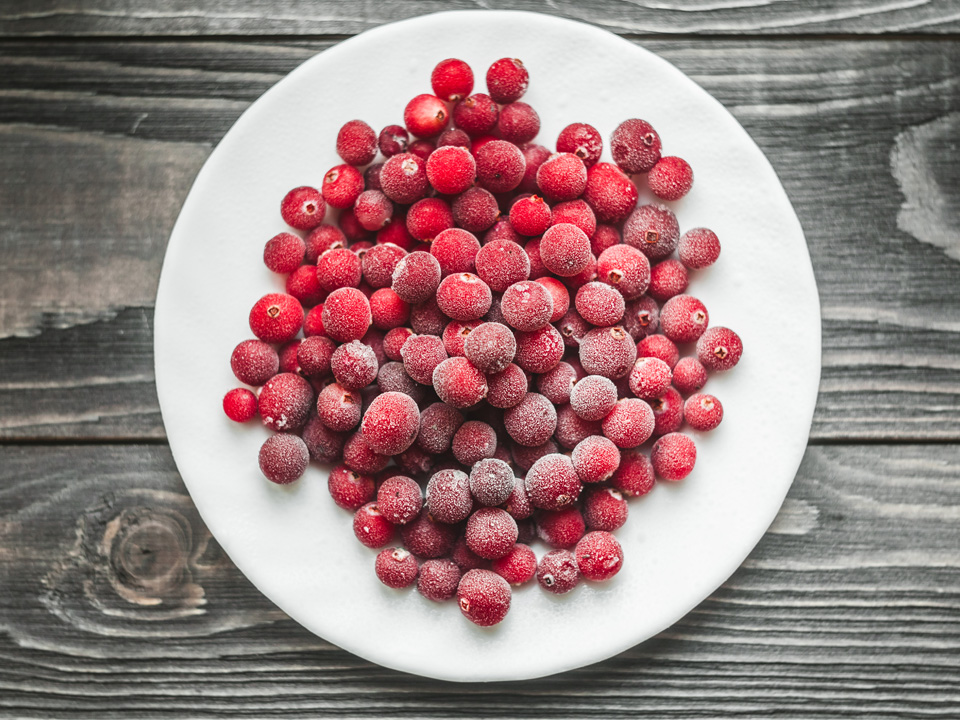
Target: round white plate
[(681, 541)]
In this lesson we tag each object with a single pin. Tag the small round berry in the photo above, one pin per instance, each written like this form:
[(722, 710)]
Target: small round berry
[(240, 405), (604, 509), (354, 365), (396, 568), (355, 233), (422, 148), (360, 457), (673, 456), (593, 397), (719, 349), (604, 238), (683, 318), (650, 378), (629, 424), (425, 116), (350, 490), (667, 412), (427, 318), (659, 346), (565, 249), (698, 248), (357, 143), (454, 136), (518, 123), (552, 482), (451, 170), (373, 339), (456, 251), (473, 442), (455, 336), (532, 421), (490, 347), (303, 284), (393, 378), (562, 176), (254, 362), (393, 140), (599, 304), (285, 402), (483, 597), (438, 579), (599, 556), (321, 239), (689, 375), (372, 528), (373, 209), (371, 177), (416, 277), (276, 318), (491, 481), (608, 351), (426, 538), (635, 146), (525, 457), (387, 310), (439, 422), (625, 268), (507, 80), (476, 114), (539, 351), (399, 499), (395, 232), (421, 354), (575, 212), (573, 328), (588, 274), (338, 408), (289, 363), (324, 444), (582, 140), (572, 429), (653, 230), (303, 208), (518, 566), (394, 341), (556, 384), (557, 572), (507, 387), (500, 166), (403, 178), (346, 314), (703, 412), (527, 306), (451, 79), (458, 383), (342, 186), (595, 459), (534, 156), (475, 210), (491, 533), (501, 263), (561, 528), (314, 354), (641, 317), (464, 296), (283, 253), (391, 423), (448, 496), (559, 294), (338, 268), (610, 193), (518, 504), (532, 248), (530, 216), (635, 475), (283, 458), (671, 178)]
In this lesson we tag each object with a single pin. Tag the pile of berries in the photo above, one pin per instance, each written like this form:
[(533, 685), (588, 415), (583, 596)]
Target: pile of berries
[(491, 330)]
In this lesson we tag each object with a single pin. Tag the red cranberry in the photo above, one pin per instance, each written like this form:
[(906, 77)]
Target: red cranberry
[(464, 296), (360, 457), (608, 351), (600, 304), (593, 397), (595, 459), (635, 476), (254, 362), (635, 146), (346, 314), (373, 209), (653, 230), (599, 556), (285, 402), (456, 251), (491, 533), (609, 192), (451, 170), (371, 527), (629, 424), (303, 208), (683, 318), (556, 384), (422, 148), (476, 115), (240, 405), (350, 490), (425, 116), (448, 496), (575, 212), (483, 597), (474, 441), (324, 444), (458, 383), (338, 268), (507, 80), (387, 310), (603, 238), (562, 528), (539, 351), (572, 429), (427, 318), (698, 248), (283, 458), (339, 408), (532, 421), (454, 136), (439, 422), (313, 355), (719, 349), (421, 354), (455, 334), (582, 140), (667, 412), (490, 347), (276, 318), (500, 166), (689, 375), (625, 268), (562, 176), (396, 568), (357, 143), (604, 509), (659, 346), (342, 186), (395, 232), (527, 306), (518, 566), (518, 123), (391, 423), (491, 481), (507, 387), (403, 178), (438, 579), (416, 277), (451, 79), (641, 317), (552, 482), (393, 140), (703, 412), (534, 156), (283, 253), (565, 249), (394, 341), (475, 210), (399, 499), (671, 178), (321, 239), (426, 538), (557, 572), (650, 378)]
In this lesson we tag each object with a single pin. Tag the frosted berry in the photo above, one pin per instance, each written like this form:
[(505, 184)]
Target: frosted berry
[(276, 318), (557, 384), (421, 354), (254, 362), (240, 405), (357, 143), (698, 248), (399, 499), (338, 268), (403, 178), (518, 566), (451, 169), (629, 424), (475, 210), (530, 216), (531, 421), (360, 457), (464, 296), (476, 114), (561, 528), (458, 383), (610, 193), (346, 314), (283, 253), (588, 274), (500, 166), (302, 284), (393, 140), (534, 156), (641, 317), (427, 538), (465, 558), (575, 212), (285, 402), (559, 294), (671, 178), (455, 335), (372, 528), (603, 238), (454, 136), (303, 208), (604, 509), (438, 424), (689, 375), (491, 481), (572, 429), (448, 496), (683, 318), (653, 230), (518, 123), (396, 568), (350, 490), (539, 351), (416, 277), (395, 232), (387, 310), (582, 140), (518, 504), (438, 579), (600, 304), (608, 351), (474, 441), (659, 346), (507, 387), (552, 482), (321, 239), (491, 533), (595, 459), (325, 445), (483, 597), (354, 365), (719, 349), (451, 79), (342, 186), (635, 475), (422, 148), (565, 249), (650, 378), (391, 423), (371, 177), (373, 209), (573, 328), (524, 457), (339, 408), (283, 458), (507, 80), (314, 354), (427, 318), (527, 306), (593, 397), (557, 572), (456, 251), (425, 116), (599, 555), (394, 341), (703, 412), (626, 269), (562, 176), (673, 456), (667, 412), (490, 347), (635, 146), (532, 248), (393, 378)]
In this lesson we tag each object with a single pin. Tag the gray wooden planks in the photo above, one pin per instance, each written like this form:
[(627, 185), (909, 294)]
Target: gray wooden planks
[(100, 142), (324, 17), (117, 603)]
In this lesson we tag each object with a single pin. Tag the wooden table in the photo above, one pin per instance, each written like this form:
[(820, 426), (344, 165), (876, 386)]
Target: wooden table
[(115, 602)]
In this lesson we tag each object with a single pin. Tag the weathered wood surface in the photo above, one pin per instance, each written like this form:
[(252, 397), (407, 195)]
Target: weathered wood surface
[(100, 142), (116, 602), (325, 17)]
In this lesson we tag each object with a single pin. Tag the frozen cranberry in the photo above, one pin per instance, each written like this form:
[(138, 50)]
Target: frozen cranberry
[(356, 143), (371, 179), (303, 208), (464, 296), (491, 481), (650, 378), (321, 239), (719, 349), (582, 140), (314, 354), (635, 146), (391, 423), (276, 318), (575, 212), (593, 397), (387, 310), (451, 170), (532, 421), (240, 405), (483, 597), (635, 476), (659, 346), (490, 347), (354, 365), (394, 340), (403, 178), (393, 140), (456, 251), (518, 566), (325, 445), (476, 114), (475, 210), (393, 378), (350, 490), (473, 442), (673, 456), (610, 193), (254, 362), (507, 387), (552, 482), (438, 424), (426, 538), (698, 248), (339, 408), (283, 253), (653, 230), (438, 579), (534, 156), (562, 176), (625, 268), (448, 496), (451, 79), (671, 178), (689, 375), (346, 314), (604, 509), (425, 116), (573, 328), (422, 148), (629, 424), (455, 137), (352, 229), (557, 572), (507, 80), (559, 295), (501, 263), (338, 268), (372, 528), (500, 166), (302, 284), (527, 306), (683, 318), (421, 354), (283, 458), (556, 384), (491, 533), (599, 304), (395, 232), (599, 555), (285, 402), (530, 216), (399, 499), (455, 335), (703, 412), (641, 317), (539, 351), (595, 459), (416, 277), (427, 318), (562, 528), (607, 351), (572, 429), (373, 209), (458, 383), (604, 238), (360, 457), (565, 249), (532, 248), (342, 186), (667, 412), (396, 568), (518, 123)]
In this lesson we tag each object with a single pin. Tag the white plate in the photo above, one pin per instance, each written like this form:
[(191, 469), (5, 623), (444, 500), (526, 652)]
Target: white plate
[(681, 541)]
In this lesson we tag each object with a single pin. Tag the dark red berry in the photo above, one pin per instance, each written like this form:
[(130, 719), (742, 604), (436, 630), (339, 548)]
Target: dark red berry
[(346, 314), (565, 249), (557, 572), (254, 362), (518, 123), (610, 193), (285, 402), (399, 499), (425, 116), (283, 253), (476, 115), (698, 248), (391, 423), (475, 210), (671, 178), (599, 556), (518, 566), (608, 351), (342, 186), (595, 459), (653, 230), (458, 383), (635, 146), (689, 375), (500, 166), (673, 456), (396, 568), (372, 528), (629, 424), (507, 80), (483, 597), (593, 397), (439, 422), (283, 458), (448, 496), (393, 140), (635, 476), (403, 178), (438, 579), (604, 509), (719, 349), (357, 143)]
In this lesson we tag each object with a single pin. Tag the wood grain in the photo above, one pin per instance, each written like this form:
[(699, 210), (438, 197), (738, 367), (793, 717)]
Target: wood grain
[(118, 603), (100, 142), (324, 17)]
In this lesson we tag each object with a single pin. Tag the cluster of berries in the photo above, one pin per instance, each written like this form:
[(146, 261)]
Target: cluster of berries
[(483, 307)]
